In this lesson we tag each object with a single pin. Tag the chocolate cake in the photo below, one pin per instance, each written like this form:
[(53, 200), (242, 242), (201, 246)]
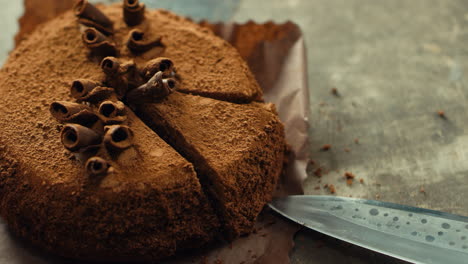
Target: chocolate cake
[(132, 134)]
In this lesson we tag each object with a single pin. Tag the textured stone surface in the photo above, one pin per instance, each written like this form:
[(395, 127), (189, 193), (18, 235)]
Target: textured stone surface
[(395, 64)]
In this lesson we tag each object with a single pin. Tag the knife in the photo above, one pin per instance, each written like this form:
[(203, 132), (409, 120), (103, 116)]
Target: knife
[(408, 233)]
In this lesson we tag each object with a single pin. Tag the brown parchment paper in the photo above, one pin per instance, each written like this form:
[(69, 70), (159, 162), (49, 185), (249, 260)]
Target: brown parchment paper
[(277, 57)]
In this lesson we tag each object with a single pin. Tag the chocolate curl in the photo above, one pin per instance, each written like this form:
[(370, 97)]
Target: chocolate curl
[(155, 89), (63, 110), (162, 64), (118, 73), (96, 166), (75, 137), (98, 43), (82, 87), (91, 16), (113, 66), (73, 113), (112, 112), (118, 137), (133, 12), (137, 44), (97, 95)]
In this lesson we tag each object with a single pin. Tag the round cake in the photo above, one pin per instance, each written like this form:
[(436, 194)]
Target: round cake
[(132, 134)]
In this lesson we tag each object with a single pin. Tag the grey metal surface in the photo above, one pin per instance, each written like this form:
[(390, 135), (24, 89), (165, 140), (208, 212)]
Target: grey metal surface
[(408, 233), (395, 63)]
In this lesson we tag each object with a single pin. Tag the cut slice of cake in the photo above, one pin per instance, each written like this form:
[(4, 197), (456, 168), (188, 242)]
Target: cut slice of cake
[(147, 204), (237, 150)]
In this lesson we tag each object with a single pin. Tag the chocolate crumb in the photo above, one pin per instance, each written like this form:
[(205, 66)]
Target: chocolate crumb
[(331, 188), (349, 182), (361, 180), (325, 147), (317, 188)]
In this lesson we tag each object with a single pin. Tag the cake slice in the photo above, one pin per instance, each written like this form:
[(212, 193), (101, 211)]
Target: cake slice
[(237, 150), (220, 73), (149, 204)]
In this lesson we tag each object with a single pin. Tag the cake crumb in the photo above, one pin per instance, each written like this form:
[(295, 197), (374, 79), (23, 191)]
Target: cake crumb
[(349, 178), (349, 175), (377, 196), (347, 150), (331, 188), (422, 190), (325, 147), (318, 172), (334, 91), (356, 140), (441, 114), (361, 180), (317, 188)]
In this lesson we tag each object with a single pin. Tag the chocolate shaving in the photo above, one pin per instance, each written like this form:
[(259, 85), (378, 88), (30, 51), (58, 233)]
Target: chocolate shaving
[(98, 43), (133, 12), (138, 44), (82, 87), (162, 64), (75, 137), (96, 166), (155, 89), (118, 137), (91, 16), (112, 112)]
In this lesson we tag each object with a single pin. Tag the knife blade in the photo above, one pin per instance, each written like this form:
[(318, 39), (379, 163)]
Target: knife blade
[(408, 233)]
